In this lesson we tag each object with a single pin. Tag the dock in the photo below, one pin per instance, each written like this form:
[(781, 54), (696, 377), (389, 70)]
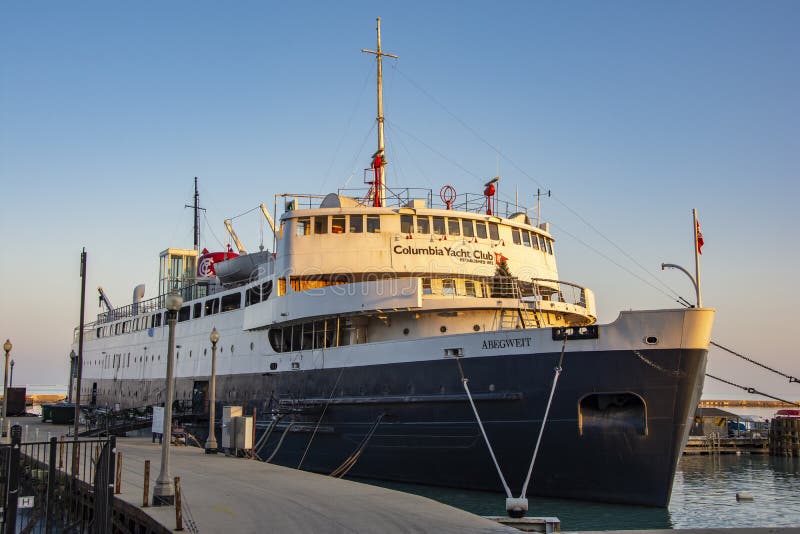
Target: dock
[(225, 494)]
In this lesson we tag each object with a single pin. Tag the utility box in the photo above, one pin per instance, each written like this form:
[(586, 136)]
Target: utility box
[(243, 433), (228, 431)]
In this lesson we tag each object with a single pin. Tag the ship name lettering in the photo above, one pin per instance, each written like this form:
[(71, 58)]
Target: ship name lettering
[(514, 342)]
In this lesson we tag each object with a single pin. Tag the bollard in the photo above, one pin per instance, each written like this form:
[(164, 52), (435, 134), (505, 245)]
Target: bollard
[(118, 481), (178, 508), (146, 483)]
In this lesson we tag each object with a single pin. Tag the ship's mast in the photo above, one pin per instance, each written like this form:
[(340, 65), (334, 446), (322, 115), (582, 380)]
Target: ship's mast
[(197, 209), (378, 159)]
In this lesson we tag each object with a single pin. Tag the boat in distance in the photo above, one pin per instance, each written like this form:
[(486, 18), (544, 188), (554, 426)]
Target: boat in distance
[(361, 341)]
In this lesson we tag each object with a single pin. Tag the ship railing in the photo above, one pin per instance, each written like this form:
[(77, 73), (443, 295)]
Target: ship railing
[(537, 289), (403, 197)]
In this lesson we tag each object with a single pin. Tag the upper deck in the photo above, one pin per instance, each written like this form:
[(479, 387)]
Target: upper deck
[(410, 234)]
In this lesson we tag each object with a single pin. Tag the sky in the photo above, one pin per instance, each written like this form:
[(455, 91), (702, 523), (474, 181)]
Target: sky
[(631, 113)]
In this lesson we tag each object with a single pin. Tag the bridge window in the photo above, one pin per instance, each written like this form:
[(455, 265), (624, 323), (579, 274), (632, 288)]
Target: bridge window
[(494, 233), (303, 226), (469, 288), (356, 224), (373, 224), (338, 224), (438, 225), (515, 236), (183, 315), (480, 229), (453, 226), (526, 238), (469, 227), (426, 286), (197, 309), (423, 225), (535, 241), (157, 321), (406, 224), (549, 246), (320, 225), (231, 302), (603, 413)]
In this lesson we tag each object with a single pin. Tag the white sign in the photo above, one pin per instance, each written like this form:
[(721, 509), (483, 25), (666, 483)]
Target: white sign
[(25, 502), (158, 419)]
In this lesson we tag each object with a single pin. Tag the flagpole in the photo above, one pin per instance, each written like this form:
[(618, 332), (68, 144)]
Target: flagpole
[(696, 259)]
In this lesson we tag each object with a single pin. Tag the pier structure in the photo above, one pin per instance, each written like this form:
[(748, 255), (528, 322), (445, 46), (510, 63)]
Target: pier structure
[(784, 436)]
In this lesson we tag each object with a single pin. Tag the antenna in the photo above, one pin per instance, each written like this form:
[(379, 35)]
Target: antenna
[(378, 159), (197, 210)]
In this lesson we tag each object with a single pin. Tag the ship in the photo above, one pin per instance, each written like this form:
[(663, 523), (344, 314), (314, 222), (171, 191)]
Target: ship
[(403, 335)]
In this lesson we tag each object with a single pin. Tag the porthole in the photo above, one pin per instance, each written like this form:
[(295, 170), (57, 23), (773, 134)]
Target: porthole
[(221, 349), (190, 354), (204, 352), (252, 345), (273, 366), (443, 329), (651, 340), (476, 327), (405, 331), (231, 349), (491, 387)]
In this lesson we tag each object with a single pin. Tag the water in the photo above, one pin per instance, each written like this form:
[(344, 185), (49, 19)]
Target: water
[(703, 496)]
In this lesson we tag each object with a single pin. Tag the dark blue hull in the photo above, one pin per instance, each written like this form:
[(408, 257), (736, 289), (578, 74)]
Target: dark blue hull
[(615, 432)]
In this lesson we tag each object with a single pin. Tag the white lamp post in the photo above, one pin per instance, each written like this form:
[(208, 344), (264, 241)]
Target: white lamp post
[(7, 348), (211, 442), (164, 491)]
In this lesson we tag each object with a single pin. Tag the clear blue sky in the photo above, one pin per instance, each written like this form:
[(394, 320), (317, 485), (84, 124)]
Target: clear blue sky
[(632, 113)]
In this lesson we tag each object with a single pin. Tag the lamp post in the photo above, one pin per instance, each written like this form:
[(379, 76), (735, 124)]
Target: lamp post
[(687, 273), (164, 491), (211, 442), (7, 346), (11, 378), (72, 371)]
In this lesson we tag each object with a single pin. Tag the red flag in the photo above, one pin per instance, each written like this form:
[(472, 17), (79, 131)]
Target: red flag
[(699, 238)]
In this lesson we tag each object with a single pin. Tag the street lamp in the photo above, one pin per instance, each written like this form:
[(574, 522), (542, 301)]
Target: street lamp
[(692, 278), (11, 378), (164, 491), (211, 442), (6, 347)]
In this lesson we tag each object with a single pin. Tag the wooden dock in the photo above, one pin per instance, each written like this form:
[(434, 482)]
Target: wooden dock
[(719, 445)]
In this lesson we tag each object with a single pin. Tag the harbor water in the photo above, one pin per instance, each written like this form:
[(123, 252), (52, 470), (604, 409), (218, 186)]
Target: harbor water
[(703, 496)]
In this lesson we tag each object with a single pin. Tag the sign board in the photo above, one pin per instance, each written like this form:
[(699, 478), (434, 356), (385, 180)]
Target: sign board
[(158, 419), (25, 502)]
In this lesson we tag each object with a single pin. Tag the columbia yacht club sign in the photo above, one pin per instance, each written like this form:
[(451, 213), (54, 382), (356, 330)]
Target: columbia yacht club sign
[(460, 254)]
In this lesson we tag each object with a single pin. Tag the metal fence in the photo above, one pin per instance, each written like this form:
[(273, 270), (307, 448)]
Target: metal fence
[(60, 485)]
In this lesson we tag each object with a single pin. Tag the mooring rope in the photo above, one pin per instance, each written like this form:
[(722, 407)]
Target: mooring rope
[(544, 420), (464, 381), (351, 460), (280, 442), (752, 391), (324, 409)]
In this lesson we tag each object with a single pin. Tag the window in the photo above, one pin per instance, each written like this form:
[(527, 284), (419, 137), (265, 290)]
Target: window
[(197, 310), (438, 225), (252, 296), (526, 238), (469, 227), (515, 236), (423, 225), (469, 288), (231, 302), (406, 224), (183, 315), (480, 229), (157, 319), (320, 226), (303, 226), (549, 246), (535, 241), (338, 224), (453, 227), (212, 307), (426, 286), (280, 232), (448, 286), (494, 233), (266, 290), (373, 224), (356, 224)]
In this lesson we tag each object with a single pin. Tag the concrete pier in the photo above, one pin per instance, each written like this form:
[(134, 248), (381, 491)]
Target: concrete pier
[(226, 494)]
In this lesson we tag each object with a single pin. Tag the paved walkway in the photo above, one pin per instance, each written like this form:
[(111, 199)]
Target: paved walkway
[(224, 494)]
